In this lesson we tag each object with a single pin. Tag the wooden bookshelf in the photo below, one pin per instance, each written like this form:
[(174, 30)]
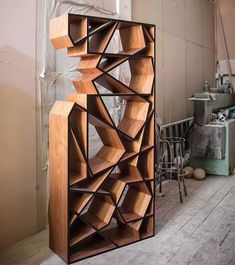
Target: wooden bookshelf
[(102, 200)]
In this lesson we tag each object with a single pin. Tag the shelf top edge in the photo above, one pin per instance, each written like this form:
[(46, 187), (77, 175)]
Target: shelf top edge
[(115, 19)]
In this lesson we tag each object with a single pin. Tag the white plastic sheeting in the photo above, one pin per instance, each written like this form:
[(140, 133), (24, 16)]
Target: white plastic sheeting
[(58, 69)]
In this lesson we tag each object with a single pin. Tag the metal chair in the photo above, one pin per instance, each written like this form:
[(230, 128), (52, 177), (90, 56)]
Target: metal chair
[(171, 162)]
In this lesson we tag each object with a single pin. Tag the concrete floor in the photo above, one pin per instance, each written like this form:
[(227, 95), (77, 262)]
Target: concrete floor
[(199, 231)]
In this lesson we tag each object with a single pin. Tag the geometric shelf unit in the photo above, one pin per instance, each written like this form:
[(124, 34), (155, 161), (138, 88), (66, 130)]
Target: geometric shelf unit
[(102, 200)]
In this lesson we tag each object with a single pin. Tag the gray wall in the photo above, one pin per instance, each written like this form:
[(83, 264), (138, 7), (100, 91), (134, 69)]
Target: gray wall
[(185, 50)]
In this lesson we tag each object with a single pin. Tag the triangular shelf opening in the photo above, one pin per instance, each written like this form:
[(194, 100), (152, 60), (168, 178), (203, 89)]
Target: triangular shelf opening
[(98, 109), (135, 203), (110, 85), (128, 39), (108, 62), (95, 24), (115, 106), (95, 142), (99, 40), (79, 231), (122, 72)]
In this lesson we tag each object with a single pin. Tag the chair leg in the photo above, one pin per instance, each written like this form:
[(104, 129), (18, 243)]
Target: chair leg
[(185, 190), (180, 191)]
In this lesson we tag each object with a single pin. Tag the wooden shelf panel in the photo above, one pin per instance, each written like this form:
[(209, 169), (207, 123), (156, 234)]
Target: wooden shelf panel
[(80, 49), (94, 183), (113, 85), (77, 119), (72, 218), (139, 72), (93, 246), (135, 203), (95, 24), (128, 155), (148, 138), (132, 38), (79, 231), (98, 165), (121, 236), (115, 187), (128, 174), (134, 118), (130, 127), (94, 221), (75, 177), (97, 108), (79, 201), (100, 212), (84, 83), (67, 30), (128, 215), (147, 228), (110, 153), (109, 62), (77, 28), (145, 164)]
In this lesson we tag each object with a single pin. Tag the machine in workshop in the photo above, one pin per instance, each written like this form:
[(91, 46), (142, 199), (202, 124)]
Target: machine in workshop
[(213, 133)]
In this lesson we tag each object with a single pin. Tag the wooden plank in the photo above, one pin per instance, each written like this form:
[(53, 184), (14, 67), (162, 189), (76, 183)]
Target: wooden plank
[(59, 34), (58, 172)]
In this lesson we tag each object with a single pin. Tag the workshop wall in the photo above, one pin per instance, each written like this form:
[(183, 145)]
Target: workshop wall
[(185, 51)]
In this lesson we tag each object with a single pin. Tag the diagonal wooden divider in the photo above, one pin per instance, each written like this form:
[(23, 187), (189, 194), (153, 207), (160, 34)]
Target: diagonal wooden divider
[(105, 201)]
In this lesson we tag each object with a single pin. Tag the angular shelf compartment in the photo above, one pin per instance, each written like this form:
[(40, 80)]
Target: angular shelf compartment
[(133, 147), (91, 246), (148, 137), (147, 227), (79, 231), (139, 73), (111, 151), (108, 62), (146, 164), (99, 40), (149, 40), (78, 201), (132, 39), (135, 203), (78, 166), (115, 187), (99, 212), (121, 235), (134, 117), (67, 30), (96, 24)]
